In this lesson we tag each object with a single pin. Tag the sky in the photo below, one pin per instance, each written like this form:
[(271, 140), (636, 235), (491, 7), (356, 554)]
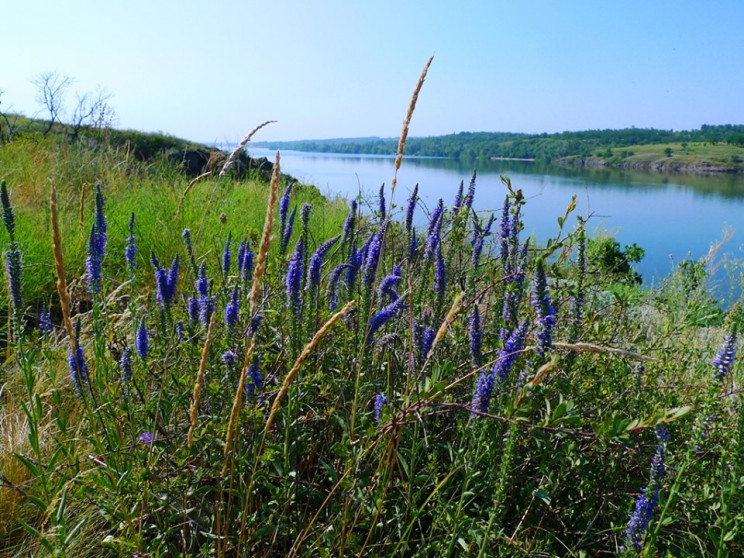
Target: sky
[(211, 71)]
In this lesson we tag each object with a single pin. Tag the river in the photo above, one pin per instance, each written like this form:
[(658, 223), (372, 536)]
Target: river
[(672, 217)]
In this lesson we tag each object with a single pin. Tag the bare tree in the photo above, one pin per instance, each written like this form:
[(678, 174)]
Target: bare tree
[(92, 109), (9, 127), (50, 92)]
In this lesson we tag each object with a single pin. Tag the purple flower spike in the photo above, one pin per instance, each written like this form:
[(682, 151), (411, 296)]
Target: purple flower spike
[(193, 310), (386, 288), (383, 317), (725, 357), (226, 256), (372, 258), (287, 231), (316, 261), (253, 381), (380, 400), (202, 283), (143, 341), (231, 311), (284, 208), (543, 305), (294, 278), (381, 203), (440, 275), (475, 336), (130, 252), (646, 502), (410, 209), (350, 221), (126, 365)]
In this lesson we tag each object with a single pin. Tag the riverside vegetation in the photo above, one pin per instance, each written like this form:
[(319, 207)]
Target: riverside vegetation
[(251, 369)]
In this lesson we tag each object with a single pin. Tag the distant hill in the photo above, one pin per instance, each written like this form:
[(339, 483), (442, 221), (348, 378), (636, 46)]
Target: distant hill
[(540, 147)]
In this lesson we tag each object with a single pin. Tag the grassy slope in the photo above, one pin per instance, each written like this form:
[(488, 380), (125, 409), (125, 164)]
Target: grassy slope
[(693, 157)]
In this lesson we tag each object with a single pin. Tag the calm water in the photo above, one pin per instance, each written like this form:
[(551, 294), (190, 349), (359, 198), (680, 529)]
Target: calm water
[(671, 217)]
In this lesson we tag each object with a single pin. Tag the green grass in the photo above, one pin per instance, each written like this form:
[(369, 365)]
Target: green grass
[(692, 157), (553, 464)]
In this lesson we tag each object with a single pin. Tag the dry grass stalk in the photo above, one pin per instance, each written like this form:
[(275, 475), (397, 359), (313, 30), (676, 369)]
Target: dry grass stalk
[(317, 338), (237, 404), (59, 264), (266, 236), (263, 252), (200, 380), (406, 124), (186, 191), (234, 155), (454, 309)]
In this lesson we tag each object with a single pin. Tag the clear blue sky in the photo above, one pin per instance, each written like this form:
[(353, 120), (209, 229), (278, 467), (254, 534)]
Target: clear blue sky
[(212, 70)]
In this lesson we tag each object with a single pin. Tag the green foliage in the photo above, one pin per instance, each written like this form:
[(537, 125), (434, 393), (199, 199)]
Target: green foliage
[(541, 147), (552, 466), (608, 260)]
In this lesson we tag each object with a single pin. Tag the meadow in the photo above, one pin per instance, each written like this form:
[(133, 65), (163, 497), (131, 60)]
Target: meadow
[(244, 367)]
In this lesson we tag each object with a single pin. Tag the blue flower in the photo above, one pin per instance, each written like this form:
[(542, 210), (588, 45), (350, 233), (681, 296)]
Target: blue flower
[(229, 358), (206, 308), (483, 391), (78, 368), (284, 209), (202, 283), (231, 310), (426, 342), (410, 209), (332, 287), (457, 204), (166, 281), (255, 323), (383, 317), (226, 256), (440, 275), (126, 365), (180, 335), (287, 231), (350, 221), (93, 262), (45, 322), (142, 341), (380, 400), (294, 278), (245, 262), (381, 208), (724, 359), (543, 305), (646, 502), (372, 258), (253, 381), (192, 307), (434, 234), (487, 380), (130, 252), (475, 336), (388, 283), (316, 261)]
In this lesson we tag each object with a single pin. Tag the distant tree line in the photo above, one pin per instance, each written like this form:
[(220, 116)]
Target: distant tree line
[(541, 147)]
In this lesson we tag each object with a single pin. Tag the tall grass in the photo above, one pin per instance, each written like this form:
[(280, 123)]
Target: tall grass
[(454, 390)]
